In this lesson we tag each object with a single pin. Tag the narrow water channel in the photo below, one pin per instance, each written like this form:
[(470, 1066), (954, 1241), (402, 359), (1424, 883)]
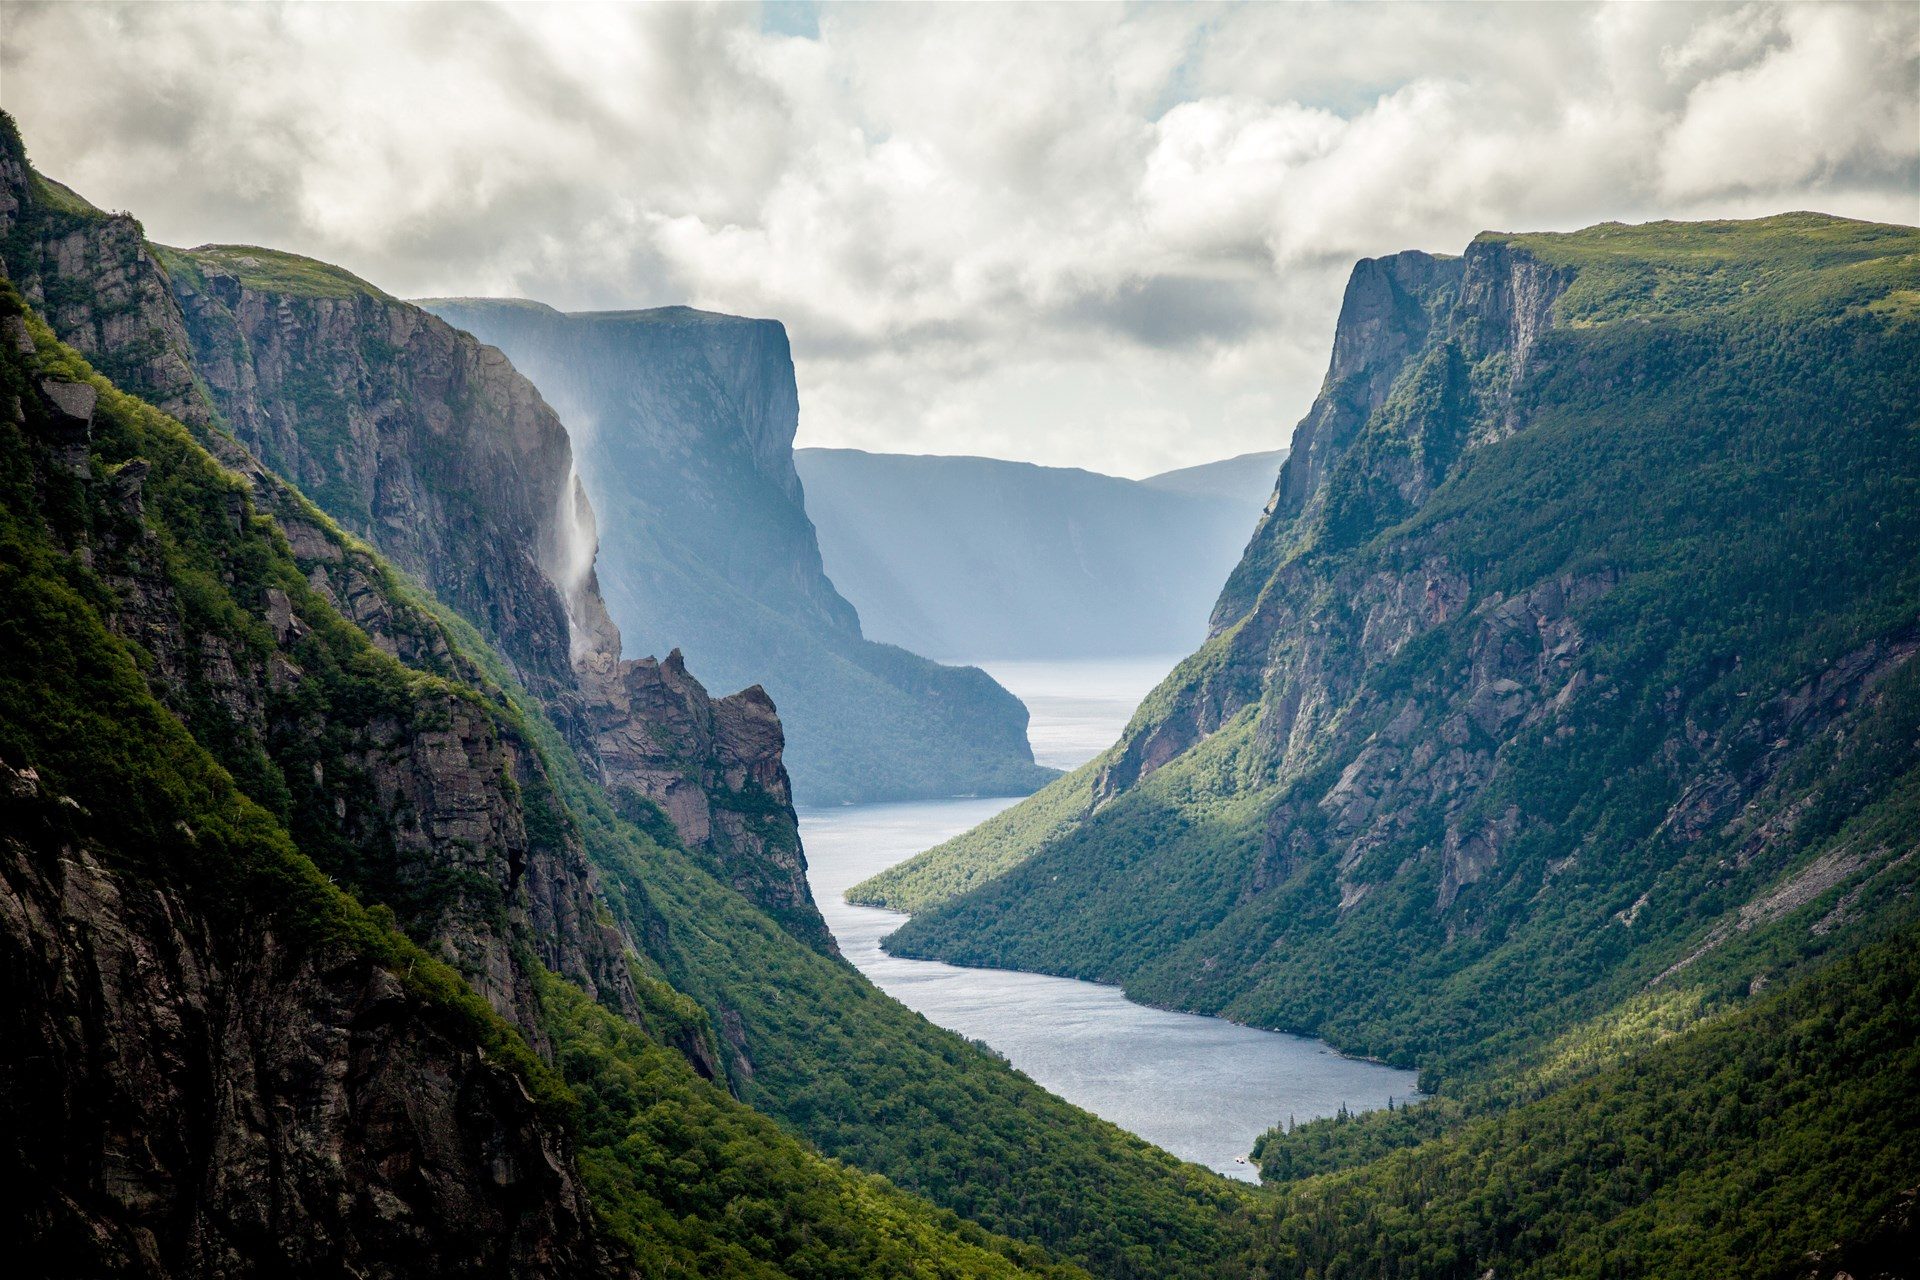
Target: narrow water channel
[(1203, 1088)]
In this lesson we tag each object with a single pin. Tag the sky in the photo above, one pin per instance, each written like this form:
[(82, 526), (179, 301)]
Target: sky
[(1109, 236)]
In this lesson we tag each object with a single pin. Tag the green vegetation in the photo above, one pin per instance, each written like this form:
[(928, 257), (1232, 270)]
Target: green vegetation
[(1664, 1045), (683, 1172), (1762, 1140), (801, 1036), (76, 708), (1780, 267), (1745, 486), (267, 271), (693, 1180), (1711, 475), (989, 850), (876, 1085)]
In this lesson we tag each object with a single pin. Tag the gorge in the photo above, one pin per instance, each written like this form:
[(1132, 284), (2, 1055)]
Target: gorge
[(366, 908), (1202, 1088)]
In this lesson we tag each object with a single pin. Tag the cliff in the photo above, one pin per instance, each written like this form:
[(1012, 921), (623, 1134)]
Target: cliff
[(221, 1060), (291, 756), (684, 422), (993, 559), (435, 450), (1588, 578), (98, 282)]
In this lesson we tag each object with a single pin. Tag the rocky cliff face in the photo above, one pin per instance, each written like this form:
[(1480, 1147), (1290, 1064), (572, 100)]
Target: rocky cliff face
[(712, 767), (433, 448), (207, 1077), (1453, 336), (409, 790), (685, 423), (405, 431), (411, 435), (215, 1105), (1493, 681), (97, 281)]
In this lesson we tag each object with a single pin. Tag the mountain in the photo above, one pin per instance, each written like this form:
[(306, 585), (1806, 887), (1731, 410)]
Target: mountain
[(1576, 647), (992, 559), (329, 945), (1559, 733), (685, 422), (1245, 478)]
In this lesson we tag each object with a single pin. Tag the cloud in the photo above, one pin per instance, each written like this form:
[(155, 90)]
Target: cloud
[(1112, 236)]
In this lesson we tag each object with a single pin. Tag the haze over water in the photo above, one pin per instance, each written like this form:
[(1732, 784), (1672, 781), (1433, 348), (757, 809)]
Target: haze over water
[(1203, 1088)]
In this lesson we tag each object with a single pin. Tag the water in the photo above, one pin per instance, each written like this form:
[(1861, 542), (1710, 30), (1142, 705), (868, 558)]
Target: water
[(1203, 1088), (1077, 709)]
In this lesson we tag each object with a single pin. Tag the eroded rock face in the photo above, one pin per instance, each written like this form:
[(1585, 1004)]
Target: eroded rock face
[(411, 435), (184, 1101), (423, 804), (96, 281), (685, 423), (712, 766), (432, 447)]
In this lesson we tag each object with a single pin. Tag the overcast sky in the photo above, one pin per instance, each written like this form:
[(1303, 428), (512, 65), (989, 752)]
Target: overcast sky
[(1111, 237)]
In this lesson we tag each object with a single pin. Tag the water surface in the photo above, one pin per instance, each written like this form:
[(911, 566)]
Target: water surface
[(1203, 1088)]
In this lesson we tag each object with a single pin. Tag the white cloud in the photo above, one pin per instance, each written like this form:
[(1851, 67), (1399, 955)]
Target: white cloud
[(1106, 235)]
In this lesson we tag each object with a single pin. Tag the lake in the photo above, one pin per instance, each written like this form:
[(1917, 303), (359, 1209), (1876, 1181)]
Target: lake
[(1203, 1088)]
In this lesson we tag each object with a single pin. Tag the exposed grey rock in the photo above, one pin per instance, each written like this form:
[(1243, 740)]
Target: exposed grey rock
[(182, 1100), (15, 331), (72, 405)]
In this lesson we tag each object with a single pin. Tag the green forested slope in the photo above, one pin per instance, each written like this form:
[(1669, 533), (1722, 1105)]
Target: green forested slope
[(798, 1035), (1774, 1141), (1551, 677), (690, 1180)]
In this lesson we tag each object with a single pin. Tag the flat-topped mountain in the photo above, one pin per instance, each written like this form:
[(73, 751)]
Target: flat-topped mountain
[(984, 558), (684, 423)]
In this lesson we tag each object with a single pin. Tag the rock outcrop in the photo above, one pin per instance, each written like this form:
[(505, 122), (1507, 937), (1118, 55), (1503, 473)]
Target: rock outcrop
[(405, 431), (712, 767), (220, 1105), (436, 450), (98, 283)]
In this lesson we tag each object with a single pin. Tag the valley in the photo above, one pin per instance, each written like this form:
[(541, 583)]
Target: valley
[(385, 892), (1202, 1088)]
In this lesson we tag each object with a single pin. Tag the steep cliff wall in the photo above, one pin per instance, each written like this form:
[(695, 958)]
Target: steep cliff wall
[(97, 281), (433, 448), (184, 1099), (685, 423), (1523, 694), (407, 432), (219, 1062)]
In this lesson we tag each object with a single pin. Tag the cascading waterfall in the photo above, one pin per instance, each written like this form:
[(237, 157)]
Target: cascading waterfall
[(578, 537)]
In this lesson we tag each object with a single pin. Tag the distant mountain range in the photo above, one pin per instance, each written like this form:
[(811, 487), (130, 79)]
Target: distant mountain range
[(985, 559)]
